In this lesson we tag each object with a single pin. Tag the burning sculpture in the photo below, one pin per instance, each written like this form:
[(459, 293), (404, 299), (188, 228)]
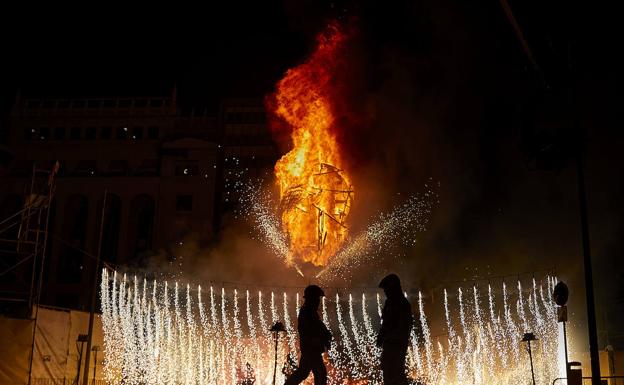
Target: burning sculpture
[(315, 189), (309, 223)]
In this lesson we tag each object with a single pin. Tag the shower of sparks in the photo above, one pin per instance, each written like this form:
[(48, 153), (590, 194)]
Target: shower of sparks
[(403, 223), (154, 334), (261, 211)]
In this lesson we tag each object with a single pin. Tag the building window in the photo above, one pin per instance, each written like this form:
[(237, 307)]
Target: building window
[(106, 132), (124, 103), (78, 104), (74, 134), (71, 262), (137, 133), (32, 104), (63, 104), (59, 133), (140, 103), (117, 168), (90, 133), (152, 132), (186, 168), (156, 103), (86, 168), (44, 133), (108, 103), (93, 104), (184, 203), (122, 133), (22, 168), (148, 167)]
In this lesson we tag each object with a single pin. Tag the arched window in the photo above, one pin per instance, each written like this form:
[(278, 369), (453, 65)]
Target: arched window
[(110, 232), (141, 226), (71, 259)]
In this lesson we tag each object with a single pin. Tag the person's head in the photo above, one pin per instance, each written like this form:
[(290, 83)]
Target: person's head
[(312, 296), (391, 284)]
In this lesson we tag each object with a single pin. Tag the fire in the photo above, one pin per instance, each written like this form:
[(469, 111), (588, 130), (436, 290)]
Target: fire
[(315, 189)]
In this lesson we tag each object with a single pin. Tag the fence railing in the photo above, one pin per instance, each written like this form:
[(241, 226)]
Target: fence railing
[(611, 380), (64, 381)]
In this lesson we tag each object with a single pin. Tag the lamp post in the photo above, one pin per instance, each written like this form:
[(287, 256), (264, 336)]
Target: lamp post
[(528, 337), (96, 275), (276, 329), (560, 295), (82, 338), (95, 349)]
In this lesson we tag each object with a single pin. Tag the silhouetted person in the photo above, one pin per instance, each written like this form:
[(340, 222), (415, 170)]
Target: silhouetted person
[(314, 339), (393, 337)]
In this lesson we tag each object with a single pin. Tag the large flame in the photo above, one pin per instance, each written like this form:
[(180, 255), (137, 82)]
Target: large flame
[(315, 190)]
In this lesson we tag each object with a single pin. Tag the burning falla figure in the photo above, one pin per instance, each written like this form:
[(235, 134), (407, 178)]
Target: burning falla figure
[(314, 339), (315, 188)]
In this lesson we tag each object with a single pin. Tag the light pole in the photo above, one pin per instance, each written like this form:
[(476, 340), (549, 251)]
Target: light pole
[(96, 272), (560, 295), (528, 337), (82, 338), (95, 349), (276, 329)]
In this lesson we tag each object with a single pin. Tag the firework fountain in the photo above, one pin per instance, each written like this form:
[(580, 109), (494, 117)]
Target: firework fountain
[(169, 333)]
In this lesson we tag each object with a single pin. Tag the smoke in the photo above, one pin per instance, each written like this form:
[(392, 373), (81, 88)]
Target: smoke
[(238, 257)]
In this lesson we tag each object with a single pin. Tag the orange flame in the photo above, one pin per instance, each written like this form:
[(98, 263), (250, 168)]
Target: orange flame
[(315, 190)]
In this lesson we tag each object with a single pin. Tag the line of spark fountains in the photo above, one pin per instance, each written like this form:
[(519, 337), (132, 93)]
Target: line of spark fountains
[(156, 335)]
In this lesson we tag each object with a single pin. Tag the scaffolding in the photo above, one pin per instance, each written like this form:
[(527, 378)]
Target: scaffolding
[(23, 251)]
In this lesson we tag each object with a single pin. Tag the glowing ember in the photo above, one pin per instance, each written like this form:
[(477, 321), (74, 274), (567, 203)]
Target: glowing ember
[(315, 190)]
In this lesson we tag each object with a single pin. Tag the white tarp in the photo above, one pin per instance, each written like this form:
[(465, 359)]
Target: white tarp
[(56, 347), (51, 344), (15, 342)]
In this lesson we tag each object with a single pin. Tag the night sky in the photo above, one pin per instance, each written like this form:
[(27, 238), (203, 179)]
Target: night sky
[(444, 88)]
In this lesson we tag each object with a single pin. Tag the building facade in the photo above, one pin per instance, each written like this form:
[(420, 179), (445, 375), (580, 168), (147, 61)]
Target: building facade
[(165, 176)]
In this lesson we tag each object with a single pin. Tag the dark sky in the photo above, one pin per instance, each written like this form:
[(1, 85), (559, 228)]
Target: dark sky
[(453, 93), (210, 51)]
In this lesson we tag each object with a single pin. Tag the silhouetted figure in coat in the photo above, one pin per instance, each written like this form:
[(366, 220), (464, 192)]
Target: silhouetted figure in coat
[(314, 339), (393, 337)]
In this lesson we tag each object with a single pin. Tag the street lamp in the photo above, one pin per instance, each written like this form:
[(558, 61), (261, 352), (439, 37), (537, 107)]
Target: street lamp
[(95, 349), (276, 329), (82, 338), (528, 337), (560, 295)]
